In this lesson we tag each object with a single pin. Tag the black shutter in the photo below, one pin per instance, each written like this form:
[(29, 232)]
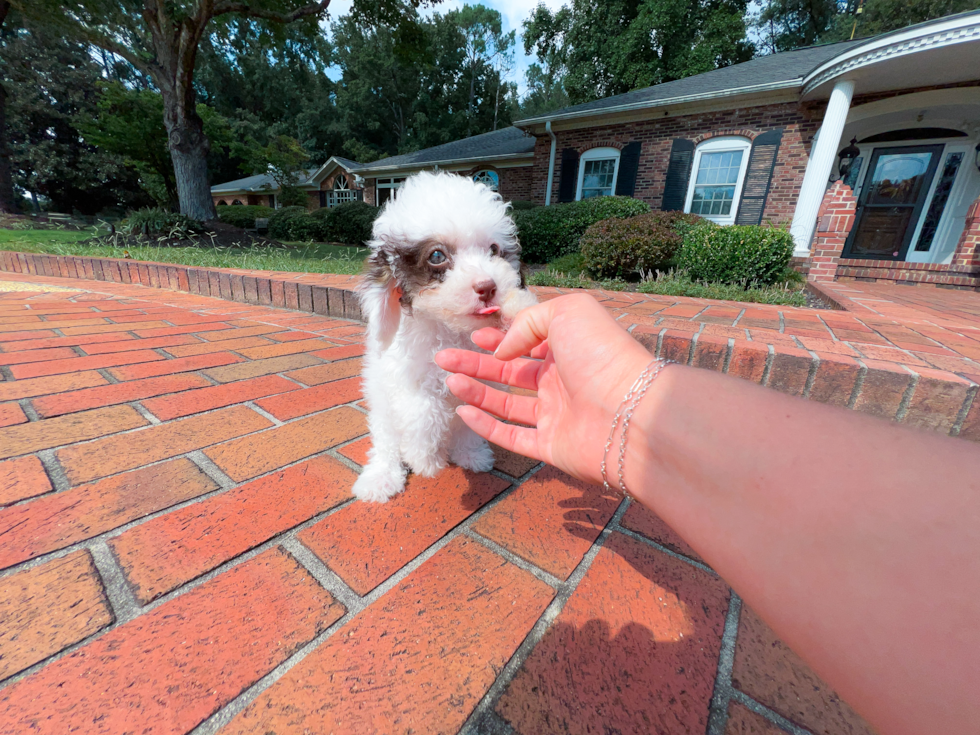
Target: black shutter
[(323, 199), (678, 175), (629, 164), (568, 178), (762, 160)]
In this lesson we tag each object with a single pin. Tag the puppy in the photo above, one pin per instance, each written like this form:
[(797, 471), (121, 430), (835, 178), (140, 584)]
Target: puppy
[(445, 261)]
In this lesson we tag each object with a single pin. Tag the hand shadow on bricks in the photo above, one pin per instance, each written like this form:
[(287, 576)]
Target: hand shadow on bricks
[(634, 651), (588, 513)]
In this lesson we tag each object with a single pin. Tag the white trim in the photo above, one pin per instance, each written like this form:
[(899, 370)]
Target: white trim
[(720, 145), (597, 154), (957, 29)]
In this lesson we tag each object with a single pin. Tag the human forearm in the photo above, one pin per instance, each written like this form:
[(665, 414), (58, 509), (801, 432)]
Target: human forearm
[(824, 521)]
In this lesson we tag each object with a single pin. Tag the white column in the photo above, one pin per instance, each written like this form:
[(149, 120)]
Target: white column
[(819, 167)]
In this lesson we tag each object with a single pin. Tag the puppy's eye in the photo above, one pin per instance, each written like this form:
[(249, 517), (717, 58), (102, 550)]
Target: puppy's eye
[(437, 257), (494, 249)]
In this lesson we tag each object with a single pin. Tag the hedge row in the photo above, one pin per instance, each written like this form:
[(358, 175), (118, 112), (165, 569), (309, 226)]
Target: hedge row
[(550, 232), (243, 216), (349, 223)]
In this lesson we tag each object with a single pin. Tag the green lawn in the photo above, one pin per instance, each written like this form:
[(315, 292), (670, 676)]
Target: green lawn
[(290, 256)]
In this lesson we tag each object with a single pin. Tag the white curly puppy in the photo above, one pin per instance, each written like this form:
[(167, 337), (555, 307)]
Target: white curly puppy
[(444, 262)]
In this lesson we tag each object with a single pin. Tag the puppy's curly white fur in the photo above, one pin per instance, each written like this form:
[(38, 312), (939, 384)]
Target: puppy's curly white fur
[(444, 262)]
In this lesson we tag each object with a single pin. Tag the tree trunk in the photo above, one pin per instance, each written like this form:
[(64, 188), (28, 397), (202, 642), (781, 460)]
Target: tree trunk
[(189, 148), (8, 202)]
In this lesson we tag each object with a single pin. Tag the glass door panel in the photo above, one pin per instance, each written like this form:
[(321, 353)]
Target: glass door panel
[(891, 200)]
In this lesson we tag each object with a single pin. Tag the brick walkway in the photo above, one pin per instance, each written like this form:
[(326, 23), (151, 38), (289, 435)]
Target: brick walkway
[(180, 553)]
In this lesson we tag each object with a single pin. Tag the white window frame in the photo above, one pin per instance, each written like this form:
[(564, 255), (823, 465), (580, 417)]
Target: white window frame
[(340, 192), (597, 154), (394, 184), (721, 145)]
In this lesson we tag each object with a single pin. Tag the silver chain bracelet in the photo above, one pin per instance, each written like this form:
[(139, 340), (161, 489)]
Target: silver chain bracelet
[(626, 408)]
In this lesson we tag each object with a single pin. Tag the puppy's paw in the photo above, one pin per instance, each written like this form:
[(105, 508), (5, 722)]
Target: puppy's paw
[(516, 301), (379, 483), (476, 458), (428, 465)]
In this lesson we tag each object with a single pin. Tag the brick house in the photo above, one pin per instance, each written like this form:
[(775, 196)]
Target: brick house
[(331, 184), (761, 142)]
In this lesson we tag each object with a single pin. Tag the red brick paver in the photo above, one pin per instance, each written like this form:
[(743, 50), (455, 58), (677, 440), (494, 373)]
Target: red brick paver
[(177, 527)]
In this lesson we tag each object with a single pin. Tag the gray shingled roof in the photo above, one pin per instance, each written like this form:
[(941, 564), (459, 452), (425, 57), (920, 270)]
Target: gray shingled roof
[(260, 182), (506, 142), (346, 162), (785, 68)]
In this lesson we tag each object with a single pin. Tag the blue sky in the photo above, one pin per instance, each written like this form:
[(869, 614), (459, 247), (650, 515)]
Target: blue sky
[(513, 13)]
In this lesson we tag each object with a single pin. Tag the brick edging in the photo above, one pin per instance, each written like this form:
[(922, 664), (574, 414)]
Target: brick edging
[(247, 287), (936, 400)]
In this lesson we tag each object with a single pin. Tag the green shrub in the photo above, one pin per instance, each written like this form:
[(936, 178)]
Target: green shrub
[(294, 223), (548, 232), (746, 255), (159, 221), (630, 247), (349, 223), (521, 205), (244, 216)]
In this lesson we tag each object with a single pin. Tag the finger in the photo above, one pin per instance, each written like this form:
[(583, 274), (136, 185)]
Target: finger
[(505, 405), (513, 438), (518, 373), (530, 329), (487, 338), (490, 338)]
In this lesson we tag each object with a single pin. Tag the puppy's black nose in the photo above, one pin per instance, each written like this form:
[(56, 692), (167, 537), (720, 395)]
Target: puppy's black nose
[(485, 289)]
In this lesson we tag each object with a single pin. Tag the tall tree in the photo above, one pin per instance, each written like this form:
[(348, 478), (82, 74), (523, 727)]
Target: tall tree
[(8, 201), (161, 39), (486, 47), (545, 92), (52, 85), (882, 16), (605, 47), (783, 25)]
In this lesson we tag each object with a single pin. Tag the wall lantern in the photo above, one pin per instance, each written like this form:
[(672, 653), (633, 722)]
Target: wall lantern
[(847, 157)]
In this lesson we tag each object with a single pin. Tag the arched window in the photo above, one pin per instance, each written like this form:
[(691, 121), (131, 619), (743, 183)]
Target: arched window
[(237, 202), (716, 178), (597, 172), (341, 191), (489, 178)]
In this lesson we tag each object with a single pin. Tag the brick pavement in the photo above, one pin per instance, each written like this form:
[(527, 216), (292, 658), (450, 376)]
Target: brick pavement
[(181, 553)]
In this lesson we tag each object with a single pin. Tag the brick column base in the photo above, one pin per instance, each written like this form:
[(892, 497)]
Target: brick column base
[(968, 248), (835, 218)]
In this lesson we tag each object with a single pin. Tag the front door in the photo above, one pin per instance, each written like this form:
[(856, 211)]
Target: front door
[(891, 200)]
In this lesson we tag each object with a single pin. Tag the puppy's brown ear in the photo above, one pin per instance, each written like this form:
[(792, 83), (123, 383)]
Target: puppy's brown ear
[(379, 294)]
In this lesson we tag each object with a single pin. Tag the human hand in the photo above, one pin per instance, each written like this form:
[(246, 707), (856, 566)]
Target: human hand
[(585, 365)]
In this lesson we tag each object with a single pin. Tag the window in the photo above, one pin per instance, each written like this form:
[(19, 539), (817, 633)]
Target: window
[(387, 188), (716, 179), (597, 173), (490, 178), (341, 192)]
